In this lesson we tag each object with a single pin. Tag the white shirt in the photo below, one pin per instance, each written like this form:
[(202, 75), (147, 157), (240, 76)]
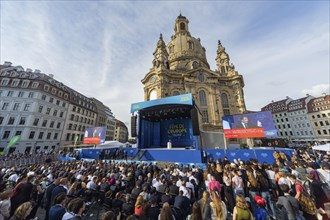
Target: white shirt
[(270, 174), (13, 177), (68, 215)]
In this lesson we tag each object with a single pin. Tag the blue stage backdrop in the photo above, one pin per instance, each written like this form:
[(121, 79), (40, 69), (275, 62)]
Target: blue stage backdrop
[(179, 131)]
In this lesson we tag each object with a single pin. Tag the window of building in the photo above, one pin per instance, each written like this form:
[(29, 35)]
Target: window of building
[(73, 108), (41, 134), (18, 133), (289, 126), (326, 122), (32, 133), (20, 94), (286, 119), (6, 135), (46, 88), (224, 100), (315, 123), (10, 93), (286, 133), (57, 102), (54, 91), (205, 116), (281, 134), (43, 97), (1, 120), (48, 135), (66, 96), (310, 132), (282, 120), (319, 132), (55, 113), (61, 114), (51, 124), (47, 111), (16, 106), (182, 26), (22, 121), (70, 127), (44, 123), (291, 133), (72, 117), (55, 136), (306, 133), (283, 126), (226, 112), (301, 132), (15, 83), (35, 85), (191, 45), (4, 82), (51, 100), (25, 83), (58, 125), (11, 120), (202, 98), (41, 108), (321, 123), (63, 104), (60, 94), (324, 115), (68, 136), (318, 116), (35, 122)]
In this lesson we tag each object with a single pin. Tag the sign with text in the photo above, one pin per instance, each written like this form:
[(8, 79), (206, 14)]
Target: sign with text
[(178, 131), (94, 135), (251, 125)]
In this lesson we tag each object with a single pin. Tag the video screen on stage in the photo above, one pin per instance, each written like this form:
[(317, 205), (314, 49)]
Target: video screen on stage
[(94, 135), (251, 125)]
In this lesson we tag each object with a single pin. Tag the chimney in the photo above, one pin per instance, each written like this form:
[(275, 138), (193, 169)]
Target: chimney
[(51, 76), (287, 97), (36, 71), (307, 94), (28, 70), (7, 63), (272, 101)]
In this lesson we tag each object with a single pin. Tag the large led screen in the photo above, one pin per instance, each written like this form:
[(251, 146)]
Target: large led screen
[(251, 125), (94, 135)]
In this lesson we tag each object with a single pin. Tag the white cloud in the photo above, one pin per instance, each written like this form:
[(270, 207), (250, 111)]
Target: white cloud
[(317, 90)]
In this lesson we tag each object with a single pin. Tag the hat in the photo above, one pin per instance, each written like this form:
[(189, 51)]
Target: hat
[(260, 201)]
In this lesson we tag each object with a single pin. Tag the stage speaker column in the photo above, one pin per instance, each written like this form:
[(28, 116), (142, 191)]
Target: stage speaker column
[(133, 126), (194, 119)]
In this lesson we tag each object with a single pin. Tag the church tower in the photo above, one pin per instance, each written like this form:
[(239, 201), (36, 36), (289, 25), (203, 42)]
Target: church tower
[(180, 67)]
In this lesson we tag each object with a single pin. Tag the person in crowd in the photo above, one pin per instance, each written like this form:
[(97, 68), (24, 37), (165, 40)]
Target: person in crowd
[(5, 204), (261, 213), (48, 195), (75, 209), (287, 204), (58, 209), (166, 213), (139, 205), (109, 215), (196, 212), (241, 209), (23, 211), (205, 206), (218, 207)]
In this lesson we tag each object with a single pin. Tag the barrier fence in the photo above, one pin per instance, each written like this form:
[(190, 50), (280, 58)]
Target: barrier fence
[(34, 159)]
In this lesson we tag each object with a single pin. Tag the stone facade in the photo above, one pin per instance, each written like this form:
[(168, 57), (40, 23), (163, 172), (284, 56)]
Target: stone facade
[(181, 67)]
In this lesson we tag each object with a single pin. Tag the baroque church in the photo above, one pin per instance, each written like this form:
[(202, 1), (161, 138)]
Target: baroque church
[(181, 67)]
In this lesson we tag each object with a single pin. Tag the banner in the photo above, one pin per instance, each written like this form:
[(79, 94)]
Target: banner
[(251, 125), (94, 135), (178, 131), (13, 140)]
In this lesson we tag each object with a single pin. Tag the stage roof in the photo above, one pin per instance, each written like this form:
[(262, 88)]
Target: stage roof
[(185, 99)]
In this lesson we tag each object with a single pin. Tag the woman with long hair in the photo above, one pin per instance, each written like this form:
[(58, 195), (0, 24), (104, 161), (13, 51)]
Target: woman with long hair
[(205, 206), (166, 213), (196, 213), (218, 207), (22, 212), (229, 194), (139, 205), (241, 210)]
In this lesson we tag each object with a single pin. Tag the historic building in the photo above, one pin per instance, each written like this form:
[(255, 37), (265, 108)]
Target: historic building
[(180, 67), (44, 112), (280, 117), (121, 132), (319, 115)]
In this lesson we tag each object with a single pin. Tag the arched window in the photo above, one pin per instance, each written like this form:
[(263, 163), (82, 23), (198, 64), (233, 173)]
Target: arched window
[(194, 64), (175, 93), (182, 26), (202, 98), (191, 45), (153, 95), (224, 100)]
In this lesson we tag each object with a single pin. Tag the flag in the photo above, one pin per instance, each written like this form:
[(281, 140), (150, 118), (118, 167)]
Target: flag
[(13, 140)]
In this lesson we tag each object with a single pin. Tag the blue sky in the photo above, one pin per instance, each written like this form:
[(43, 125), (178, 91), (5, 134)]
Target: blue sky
[(103, 49)]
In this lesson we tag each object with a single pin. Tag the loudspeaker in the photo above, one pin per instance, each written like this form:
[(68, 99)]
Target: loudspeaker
[(133, 126), (194, 119)]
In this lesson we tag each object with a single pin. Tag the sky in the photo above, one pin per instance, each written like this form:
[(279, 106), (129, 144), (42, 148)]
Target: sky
[(103, 49)]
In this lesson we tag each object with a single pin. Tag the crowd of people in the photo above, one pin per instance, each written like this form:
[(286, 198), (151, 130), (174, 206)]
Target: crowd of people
[(294, 187)]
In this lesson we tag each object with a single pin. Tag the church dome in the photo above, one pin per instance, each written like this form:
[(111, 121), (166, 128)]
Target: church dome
[(185, 51)]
